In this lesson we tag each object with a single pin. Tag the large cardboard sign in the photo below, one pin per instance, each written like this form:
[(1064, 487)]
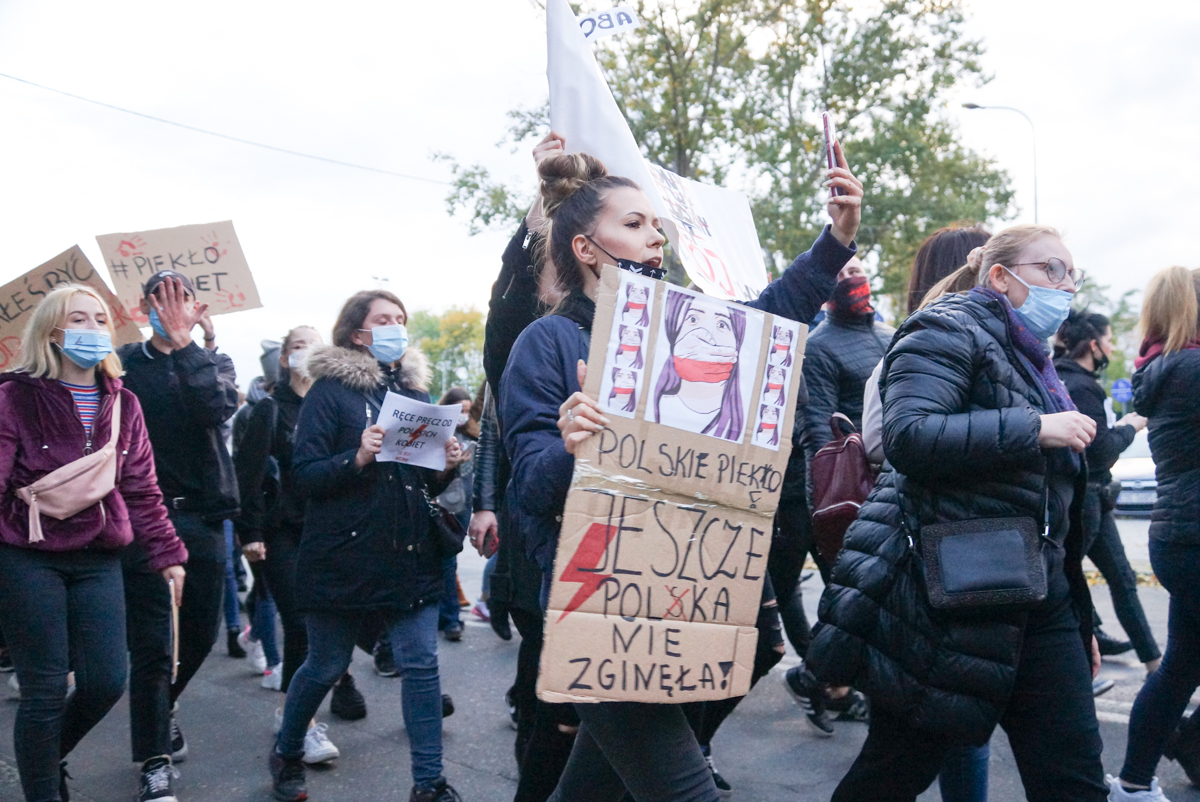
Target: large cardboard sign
[(20, 297), (210, 255), (710, 228), (667, 526)]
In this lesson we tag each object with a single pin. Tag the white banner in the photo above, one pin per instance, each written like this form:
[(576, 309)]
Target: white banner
[(416, 433), (603, 24), (711, 228)]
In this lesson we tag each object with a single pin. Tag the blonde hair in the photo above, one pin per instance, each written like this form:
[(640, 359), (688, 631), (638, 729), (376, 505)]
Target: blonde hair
[(1171, 311), (1004, 248), (39, 358), (960, 280)]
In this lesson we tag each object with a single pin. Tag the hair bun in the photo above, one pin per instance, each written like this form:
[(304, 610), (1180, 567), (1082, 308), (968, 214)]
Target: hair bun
[(565, 174), (975, 258)]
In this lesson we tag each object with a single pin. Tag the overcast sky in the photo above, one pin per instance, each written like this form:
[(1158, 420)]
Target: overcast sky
[(1113, 95)]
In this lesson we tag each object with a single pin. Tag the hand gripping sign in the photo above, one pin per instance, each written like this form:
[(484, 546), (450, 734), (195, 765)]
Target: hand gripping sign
[(667, 526)]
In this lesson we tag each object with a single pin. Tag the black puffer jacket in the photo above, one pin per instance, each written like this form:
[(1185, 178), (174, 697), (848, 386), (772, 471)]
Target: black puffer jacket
[(961, 418), (1089, 396), (368, 543), (1164, 390), (262, 458)]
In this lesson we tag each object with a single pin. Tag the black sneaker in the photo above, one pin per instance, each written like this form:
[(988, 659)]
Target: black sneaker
[(453, 631), (499, 621), (347, 702), (385, 664), (441, 792), (447, 706), (512, 708), (1109, 645), (179, 749), (287, 777), (809, 694), (64, 793), (231, 643), (157, 774), (6, 663), (851, 707), (723, 787)]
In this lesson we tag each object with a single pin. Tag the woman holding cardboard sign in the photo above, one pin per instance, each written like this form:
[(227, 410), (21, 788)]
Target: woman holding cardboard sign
[(369, 549), (78, 480), (596, 219)]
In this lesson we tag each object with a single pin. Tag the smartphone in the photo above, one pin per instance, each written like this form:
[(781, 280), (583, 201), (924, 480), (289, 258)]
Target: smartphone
[(830, 138)]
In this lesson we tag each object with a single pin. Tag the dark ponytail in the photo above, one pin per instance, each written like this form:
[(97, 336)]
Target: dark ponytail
[(1077, 332)]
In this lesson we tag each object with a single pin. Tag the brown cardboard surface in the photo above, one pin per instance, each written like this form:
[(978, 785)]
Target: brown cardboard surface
[(667, 525), (20, 297), (209, 254)]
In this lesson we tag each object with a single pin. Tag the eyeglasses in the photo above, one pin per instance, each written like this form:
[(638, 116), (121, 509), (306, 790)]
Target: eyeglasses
[(1056, 270)]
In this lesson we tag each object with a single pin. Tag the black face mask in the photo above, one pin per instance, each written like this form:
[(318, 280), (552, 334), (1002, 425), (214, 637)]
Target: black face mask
[(640, 268), (1100, 362)]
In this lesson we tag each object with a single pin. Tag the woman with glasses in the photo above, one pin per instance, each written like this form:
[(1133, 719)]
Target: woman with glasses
[(977, 427)]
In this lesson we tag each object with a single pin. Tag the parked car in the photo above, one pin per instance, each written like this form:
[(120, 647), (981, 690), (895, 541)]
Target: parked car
[(1135, 471)]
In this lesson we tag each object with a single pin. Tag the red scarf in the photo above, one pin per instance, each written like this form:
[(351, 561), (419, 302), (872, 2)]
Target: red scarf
[(774, 386), (697, 370), (1152, 347), (769, 426), (781, 346), (622, 390), (630, 348), (632, 305)]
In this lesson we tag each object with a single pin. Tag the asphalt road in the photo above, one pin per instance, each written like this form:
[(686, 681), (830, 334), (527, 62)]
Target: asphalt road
[(765, 749)]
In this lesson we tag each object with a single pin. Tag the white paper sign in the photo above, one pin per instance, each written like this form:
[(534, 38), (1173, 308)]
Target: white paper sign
[(711, 228), (605, 23), (628, 343), (416, 433)]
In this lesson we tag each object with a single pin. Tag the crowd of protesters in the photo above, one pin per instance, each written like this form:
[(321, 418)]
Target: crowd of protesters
[(134, 496)]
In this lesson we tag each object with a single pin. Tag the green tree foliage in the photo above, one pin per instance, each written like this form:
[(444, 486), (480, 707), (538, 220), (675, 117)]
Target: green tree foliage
[(731, 91), (453, 341)]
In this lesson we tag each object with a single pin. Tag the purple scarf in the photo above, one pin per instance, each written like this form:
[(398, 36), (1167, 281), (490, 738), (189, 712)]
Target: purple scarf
[(1034, 351)]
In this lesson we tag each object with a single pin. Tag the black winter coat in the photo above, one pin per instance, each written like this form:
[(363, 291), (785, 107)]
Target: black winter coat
[(1165, 391), (262, 457), (368, 542), (839, 356), (961, 418), (514, 303), (1089, 396)]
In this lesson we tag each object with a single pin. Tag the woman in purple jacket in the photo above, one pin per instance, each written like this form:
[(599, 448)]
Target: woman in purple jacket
[(61, 594)]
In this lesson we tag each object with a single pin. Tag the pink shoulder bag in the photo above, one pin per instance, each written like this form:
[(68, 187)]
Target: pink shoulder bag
[(75, 486)]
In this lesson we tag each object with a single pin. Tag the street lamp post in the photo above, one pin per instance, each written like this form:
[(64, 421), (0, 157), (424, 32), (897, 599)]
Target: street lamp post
[(1033, 130)]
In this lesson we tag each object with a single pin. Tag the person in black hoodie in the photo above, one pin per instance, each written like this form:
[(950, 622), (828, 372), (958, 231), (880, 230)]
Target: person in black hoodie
[(369, 546), (1164, 390), (187, 394), (648, 750), (1086, 342)]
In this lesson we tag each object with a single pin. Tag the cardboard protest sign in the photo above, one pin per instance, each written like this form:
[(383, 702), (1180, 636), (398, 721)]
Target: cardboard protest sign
[(210, 255), (20, 297), (667, 525), (416, 433), (710, 228)]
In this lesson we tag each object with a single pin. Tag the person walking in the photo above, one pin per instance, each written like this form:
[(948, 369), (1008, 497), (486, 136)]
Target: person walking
[(1086, 342), (977, 427), (1166, 375), (597, 219), (61, 594), (456, 499), (369, 549), (187, 393)]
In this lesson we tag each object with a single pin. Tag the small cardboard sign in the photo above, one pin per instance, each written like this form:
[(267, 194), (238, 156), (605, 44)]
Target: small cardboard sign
[(20, 297), (416, 433), (667, 526), (210, 255)]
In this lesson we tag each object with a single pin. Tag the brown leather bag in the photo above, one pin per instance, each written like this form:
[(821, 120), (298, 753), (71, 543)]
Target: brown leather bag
[(842, 479), (75, 486)]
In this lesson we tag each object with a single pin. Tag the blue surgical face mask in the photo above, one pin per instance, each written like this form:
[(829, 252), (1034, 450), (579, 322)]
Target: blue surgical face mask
[(86, 347), (388, 343), (157, 325), (1044, 310)]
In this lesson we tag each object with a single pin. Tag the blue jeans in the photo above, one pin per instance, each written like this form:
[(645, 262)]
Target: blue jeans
[(413, 636), (1165, 695), (485, 590), (232, 619), (964, 776), (62, 612), (263, 615), (448, 612)]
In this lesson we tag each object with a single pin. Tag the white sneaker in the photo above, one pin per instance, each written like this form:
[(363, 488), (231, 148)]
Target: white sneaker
[(273, 677), (254, 650), (317, 746), (278, 719), (14, 685), (1118, 792)]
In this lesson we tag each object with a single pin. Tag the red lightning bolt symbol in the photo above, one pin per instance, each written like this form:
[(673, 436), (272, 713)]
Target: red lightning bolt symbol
[(588, 555), (416, 433)]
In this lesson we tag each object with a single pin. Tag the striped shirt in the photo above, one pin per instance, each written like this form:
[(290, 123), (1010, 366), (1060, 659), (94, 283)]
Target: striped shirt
[(87, 403)]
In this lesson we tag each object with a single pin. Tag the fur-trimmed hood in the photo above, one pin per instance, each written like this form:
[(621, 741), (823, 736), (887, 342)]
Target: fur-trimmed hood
[(360, 371)]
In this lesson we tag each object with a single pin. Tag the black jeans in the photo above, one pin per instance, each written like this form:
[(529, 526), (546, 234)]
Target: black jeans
[(1050, 721), (646, 748), (283, 548), (148, 613), (1107, 552), (791, 543), (1165, 695), (62, 612)]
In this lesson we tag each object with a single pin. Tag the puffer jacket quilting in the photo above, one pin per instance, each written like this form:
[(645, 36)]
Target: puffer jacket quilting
[(1164, 391)]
